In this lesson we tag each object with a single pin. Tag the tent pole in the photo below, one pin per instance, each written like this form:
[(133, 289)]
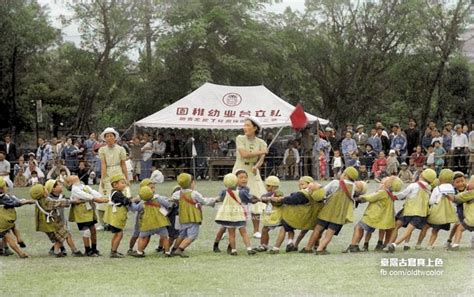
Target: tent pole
[(274, 138)]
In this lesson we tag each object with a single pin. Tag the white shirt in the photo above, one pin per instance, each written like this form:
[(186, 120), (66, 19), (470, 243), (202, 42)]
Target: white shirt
[(146, 154), (159, 148), (4, 167), (40, 173), (337, 162), (471, 141), (295, 154), (411, 191), (440, 191), (80, 192), (459, 141)]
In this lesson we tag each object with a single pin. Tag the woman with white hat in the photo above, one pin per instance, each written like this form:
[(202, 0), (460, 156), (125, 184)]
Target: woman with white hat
[(251, 152), (112, 157)]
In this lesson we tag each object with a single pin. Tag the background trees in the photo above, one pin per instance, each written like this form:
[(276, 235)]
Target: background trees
[(356, 61)]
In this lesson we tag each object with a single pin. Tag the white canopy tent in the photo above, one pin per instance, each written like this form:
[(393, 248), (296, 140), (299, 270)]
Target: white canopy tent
[(224, 107)]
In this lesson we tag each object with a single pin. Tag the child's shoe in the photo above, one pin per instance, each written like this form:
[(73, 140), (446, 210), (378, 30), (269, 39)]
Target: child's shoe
[(366, 247), (115, 254)]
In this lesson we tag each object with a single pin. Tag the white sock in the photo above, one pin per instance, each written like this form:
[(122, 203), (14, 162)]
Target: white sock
[(234, 250), (290, 241), (249, 248), (454, 245), (394, 244), (276, 248), (140, 253)]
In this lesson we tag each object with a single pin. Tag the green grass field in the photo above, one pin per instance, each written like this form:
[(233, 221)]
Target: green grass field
[(207, 273)]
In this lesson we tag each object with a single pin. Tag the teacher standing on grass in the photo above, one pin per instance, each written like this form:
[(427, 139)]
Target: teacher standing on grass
[(112, 159), (251, 152)]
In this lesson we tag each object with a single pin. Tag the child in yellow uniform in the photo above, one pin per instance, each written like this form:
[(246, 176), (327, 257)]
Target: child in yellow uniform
[(233, 214), (300, 210), (271, 217), (48, 217), (467, 200), (83, 199), (442, 212), (380, 212), (8, 203), (152, 211), (190, 213), (460, 185), (337, 211), (116, 212), (415, 208), (242, 180)]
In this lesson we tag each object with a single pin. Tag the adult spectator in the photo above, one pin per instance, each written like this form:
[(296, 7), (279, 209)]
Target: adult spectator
[(11, 153), (459, 148), (382, 134), (375, 141), (399, 144), (5, 169), (413, 136), (44, 154), (348, 146), (20, 165), (361, 139), (418, 158), (56, 170), (271, 161), (306, 148), (33, 173), (55, 149), (69, 155), (135, 155), (159, 149), (147, 152), (173, 151), (89, 146), (471, 150)]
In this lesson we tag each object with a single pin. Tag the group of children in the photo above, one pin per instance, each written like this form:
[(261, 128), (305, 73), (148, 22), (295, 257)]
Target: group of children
[(428, 204)]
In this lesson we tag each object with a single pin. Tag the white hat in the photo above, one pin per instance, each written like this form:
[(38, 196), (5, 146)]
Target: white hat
[(255, 121), (157, 177), (391, 152), (107, 131), (328, 129)]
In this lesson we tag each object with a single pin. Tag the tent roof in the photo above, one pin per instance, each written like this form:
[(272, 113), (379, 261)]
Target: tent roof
[(224, 107)]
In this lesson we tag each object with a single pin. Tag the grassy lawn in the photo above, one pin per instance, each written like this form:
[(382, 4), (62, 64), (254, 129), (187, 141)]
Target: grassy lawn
[(208, 273)]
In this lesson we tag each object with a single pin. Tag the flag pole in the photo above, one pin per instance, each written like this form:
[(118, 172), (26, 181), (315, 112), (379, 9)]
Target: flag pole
[(275, 137)]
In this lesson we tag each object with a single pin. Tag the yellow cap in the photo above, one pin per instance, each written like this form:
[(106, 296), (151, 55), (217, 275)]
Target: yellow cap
[(351, 173), (429, 175), (3, 184), (446, 176), (230, 180), (307, 179), (184, 180), (49, 185), (145, 182), (116, 178), (361, 187), (396, 185), (145, 193), (37, 192), (272, 181)]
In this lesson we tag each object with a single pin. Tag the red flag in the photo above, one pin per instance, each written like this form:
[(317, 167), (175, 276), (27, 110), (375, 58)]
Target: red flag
[(298, 118)]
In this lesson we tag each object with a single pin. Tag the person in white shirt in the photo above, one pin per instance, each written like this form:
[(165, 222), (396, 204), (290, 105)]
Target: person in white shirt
[(471, 153), (32, 167), (291, 159), (5, 169), (147, 152), (159, 148), (459, 146)]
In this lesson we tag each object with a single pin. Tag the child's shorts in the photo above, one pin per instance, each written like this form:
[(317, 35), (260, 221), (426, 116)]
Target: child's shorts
[(231, 225), (189, 231), (287, 227), (114, 230), (328, 225), (399, 217), (3, 233), (159, 231), (366, 227), (86, 225), (417, 221), (441, 227), (460, 212), (467, 227)]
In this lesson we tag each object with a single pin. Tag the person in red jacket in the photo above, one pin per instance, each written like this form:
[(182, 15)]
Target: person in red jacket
[(379, 168)]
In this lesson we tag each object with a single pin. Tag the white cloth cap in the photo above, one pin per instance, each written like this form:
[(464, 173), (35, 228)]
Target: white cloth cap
[(109, 130)]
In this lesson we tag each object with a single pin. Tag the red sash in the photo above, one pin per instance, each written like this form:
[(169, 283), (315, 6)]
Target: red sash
[(190, 201), (343, 186), (153, 203), (393, 197), (232, 195), (423, 187)]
